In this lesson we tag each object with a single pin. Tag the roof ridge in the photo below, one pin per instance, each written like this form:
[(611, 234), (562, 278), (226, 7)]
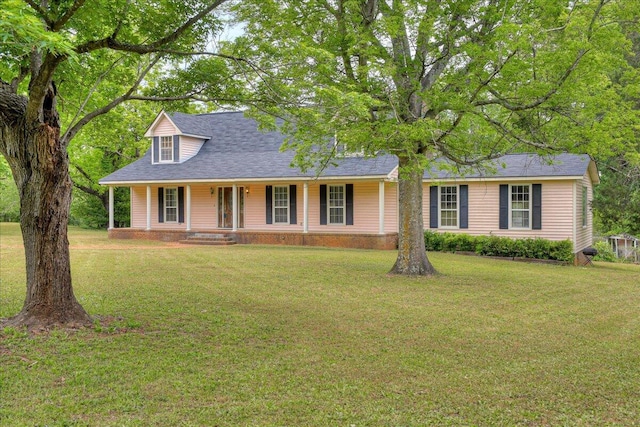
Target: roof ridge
[(213, 113)]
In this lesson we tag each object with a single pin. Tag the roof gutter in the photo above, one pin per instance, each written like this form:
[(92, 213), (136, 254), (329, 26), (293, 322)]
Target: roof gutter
[(243, 180), (505, 178)]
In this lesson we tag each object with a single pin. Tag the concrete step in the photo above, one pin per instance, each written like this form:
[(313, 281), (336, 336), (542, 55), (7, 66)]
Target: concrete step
[(209, 239)]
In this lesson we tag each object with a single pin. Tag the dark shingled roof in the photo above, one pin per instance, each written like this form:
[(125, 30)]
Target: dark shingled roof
[(521, 166), (236, 149)]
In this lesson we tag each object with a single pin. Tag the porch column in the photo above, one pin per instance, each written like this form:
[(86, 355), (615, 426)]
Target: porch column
[(148, 207), (305, 203), (188, 208), (110, 207), (381, 207), (235, 207)]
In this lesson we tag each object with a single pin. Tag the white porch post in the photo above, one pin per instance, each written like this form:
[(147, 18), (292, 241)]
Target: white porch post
[(188, 208), (148, 207), (381, 207), (305, 211), (235, 207), (110, 207)]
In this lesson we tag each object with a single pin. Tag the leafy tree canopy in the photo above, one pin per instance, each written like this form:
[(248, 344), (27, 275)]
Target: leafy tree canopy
[(464, 79), (467, 80)]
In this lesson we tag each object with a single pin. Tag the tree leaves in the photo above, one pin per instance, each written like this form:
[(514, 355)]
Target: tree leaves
[(475, 79)]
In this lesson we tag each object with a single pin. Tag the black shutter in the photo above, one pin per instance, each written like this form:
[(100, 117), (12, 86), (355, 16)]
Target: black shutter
[(156, 150), (180, 204), (293, 215), (269, 203), (323, 204), (349, 203), (176, 148), (504, 206), (464, 206), (160, 204), (433, 206), (536, 223)]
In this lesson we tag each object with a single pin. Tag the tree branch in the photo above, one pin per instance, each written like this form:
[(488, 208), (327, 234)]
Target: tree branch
[(499, 100), (111, 43), (42, 12), (57, 25), (73, 130), (91, 91)]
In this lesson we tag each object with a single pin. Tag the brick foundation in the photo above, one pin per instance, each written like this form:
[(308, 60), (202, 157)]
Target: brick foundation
[(336, 240)]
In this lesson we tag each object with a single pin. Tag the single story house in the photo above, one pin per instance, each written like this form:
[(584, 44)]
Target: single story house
[(218, 175)]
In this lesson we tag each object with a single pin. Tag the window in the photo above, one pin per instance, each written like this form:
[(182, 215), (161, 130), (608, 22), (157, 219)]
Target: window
[(336, 204), (166, 149), (281, 205), (520, 206), (171, 205), (584, 206), (449, 206)]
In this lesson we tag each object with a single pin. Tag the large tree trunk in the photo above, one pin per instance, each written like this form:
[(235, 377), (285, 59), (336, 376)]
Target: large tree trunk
[(412, 256), (40, 167)]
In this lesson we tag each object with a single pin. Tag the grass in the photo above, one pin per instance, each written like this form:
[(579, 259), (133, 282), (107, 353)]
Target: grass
[(262, 335)]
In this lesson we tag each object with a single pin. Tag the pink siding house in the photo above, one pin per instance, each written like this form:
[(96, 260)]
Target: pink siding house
[(216, 178)]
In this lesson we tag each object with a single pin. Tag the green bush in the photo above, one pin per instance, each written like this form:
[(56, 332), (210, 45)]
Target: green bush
[(499, 246), (605, 253), (562, 251), (433, 241)]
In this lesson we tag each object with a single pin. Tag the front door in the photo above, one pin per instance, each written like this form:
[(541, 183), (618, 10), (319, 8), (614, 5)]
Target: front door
[(225, 207)]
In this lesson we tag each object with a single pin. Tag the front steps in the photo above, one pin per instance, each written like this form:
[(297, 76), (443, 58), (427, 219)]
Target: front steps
[(209, 239)]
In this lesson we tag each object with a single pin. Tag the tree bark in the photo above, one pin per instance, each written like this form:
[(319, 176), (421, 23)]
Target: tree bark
[(40, 167), (412, 256)]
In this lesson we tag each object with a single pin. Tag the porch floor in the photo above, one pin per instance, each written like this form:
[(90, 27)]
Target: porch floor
[(387, 241)]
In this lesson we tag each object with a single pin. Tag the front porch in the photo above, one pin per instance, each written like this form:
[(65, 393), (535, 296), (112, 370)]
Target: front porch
[(387, 241)]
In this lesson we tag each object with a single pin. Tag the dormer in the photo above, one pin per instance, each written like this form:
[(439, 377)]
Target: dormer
[(170, 143)]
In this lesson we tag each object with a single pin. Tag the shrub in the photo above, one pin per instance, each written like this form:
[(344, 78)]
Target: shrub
[(499, 246), (562, 251), (605, 253), (433, 241)]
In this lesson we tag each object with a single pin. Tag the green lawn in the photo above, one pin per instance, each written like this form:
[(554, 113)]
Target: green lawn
[(290, 336)]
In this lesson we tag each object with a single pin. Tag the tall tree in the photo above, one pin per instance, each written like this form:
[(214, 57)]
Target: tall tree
[(616, 201), (51, 48), (467, 80)]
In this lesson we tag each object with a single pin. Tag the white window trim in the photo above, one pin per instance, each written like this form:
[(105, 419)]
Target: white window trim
[(160, 160), (273, 207), (440, 225), (165, 207), (530, 210), (585, 208), (343, 207)]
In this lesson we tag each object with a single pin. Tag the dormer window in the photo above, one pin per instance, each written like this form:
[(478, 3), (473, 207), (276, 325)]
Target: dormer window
[(166, 149)]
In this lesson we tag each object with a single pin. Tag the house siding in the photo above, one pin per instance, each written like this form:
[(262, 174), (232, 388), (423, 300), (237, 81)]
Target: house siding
[(584, 235), (203, 208), (557, 210), (138, 207), (189, 147), (390, 207), (164, 128), (365, 209)]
